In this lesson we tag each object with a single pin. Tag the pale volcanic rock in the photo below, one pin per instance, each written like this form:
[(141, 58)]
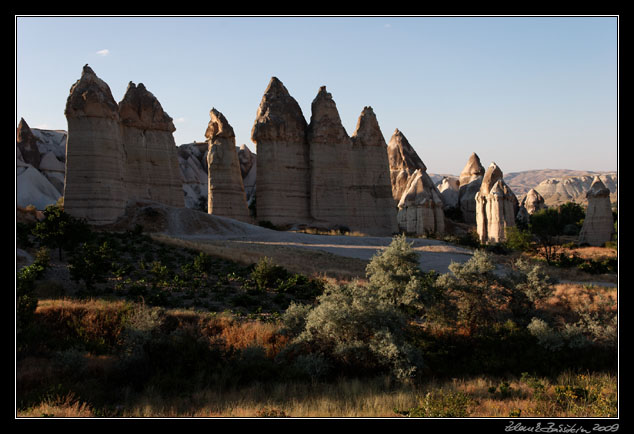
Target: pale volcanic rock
[(574, 188), (283, 182), (420, 210), (373, 210), (248, 171), (330, 162), (496, 206), (598, 225), (470, 182), (225, 194), (449, 189), (152, 167), (403, 161), (95, 159), (26, 142), (531, 203), (192, 160)]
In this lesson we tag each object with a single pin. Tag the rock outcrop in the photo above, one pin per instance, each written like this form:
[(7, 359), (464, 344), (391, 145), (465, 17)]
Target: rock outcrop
[(557, 191), (27, 144), (192, 160), (152, 170), (496, 206), (331, 176), (117, 152), (420, 210), (598, 225), (95, 159), (531, 203), (373, 210), (283, 183), (470, 182), (449, 189), (225, 194), (248, 171), (403, 161)]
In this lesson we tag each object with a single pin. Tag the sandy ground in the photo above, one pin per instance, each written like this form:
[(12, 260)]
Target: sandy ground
[(193, 226)]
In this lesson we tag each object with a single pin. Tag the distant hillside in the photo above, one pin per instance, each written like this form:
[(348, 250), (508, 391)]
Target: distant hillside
[(557, 186)]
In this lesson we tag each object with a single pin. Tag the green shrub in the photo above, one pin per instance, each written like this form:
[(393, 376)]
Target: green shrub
[(266, 275)]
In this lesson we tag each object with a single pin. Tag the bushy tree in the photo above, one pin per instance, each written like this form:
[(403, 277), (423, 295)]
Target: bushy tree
[(60, 230), (365, 328), (91, 262), (480, 296)]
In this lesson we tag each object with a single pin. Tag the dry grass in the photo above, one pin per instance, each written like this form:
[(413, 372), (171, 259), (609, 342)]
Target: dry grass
[(62, 407)]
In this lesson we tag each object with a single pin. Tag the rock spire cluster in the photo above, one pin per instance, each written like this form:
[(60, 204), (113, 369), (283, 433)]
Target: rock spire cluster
[(117, 152), (496, 206), (314, 173)]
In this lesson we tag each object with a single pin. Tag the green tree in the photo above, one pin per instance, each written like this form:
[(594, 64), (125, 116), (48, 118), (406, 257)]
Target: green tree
[(91, 263), (481, 296), (366, 328), (60, 230)]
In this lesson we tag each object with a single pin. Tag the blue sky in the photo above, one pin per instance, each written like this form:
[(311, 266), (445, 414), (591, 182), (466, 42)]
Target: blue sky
[(525, 92)]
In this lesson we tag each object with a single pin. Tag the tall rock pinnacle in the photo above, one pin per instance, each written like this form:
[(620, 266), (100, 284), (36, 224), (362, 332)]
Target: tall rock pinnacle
[(94, 187), (225, 192), (283, 179), (152, 171)]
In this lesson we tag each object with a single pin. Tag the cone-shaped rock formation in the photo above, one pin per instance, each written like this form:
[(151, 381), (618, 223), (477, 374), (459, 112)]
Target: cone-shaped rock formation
[(95, 160), (598, 225), (225, 192), (470, 181), (283, 182), (372, 206), (496, 206), (152, 170)]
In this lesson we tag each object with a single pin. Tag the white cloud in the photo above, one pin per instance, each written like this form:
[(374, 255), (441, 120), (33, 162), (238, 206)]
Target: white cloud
[(103, 52), (179, 120)]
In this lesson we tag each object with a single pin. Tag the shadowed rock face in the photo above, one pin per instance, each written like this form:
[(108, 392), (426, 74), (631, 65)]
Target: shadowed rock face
[(470, 182), (598, 225), (496, 206), (330, 163), (225, 192), (403, 161), (373, 210), (152, 171), (95, 160), (283, 180)]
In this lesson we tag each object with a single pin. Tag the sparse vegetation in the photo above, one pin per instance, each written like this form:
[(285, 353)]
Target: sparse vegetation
[(160, 330)]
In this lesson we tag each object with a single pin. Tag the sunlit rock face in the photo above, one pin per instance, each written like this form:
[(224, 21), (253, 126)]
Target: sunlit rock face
[(95, 159), (225, 194), (283, 160), (403, 161), (469, 185), (420, 210), (598, 225), (496, 206)]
